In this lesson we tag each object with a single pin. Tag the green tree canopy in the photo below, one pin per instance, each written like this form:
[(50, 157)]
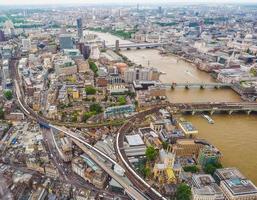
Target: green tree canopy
[(183, 192), (93, 66), (1, 113), (211, 168), (90, 90), (95, 108), (87, 115), (191, 168), (151, 153), (8, 94), (122, 100)]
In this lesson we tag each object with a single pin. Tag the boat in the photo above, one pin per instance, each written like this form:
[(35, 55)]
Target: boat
[(210, 120)]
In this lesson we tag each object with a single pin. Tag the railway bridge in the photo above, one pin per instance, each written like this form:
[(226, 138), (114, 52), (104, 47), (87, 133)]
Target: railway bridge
[(216, 107)]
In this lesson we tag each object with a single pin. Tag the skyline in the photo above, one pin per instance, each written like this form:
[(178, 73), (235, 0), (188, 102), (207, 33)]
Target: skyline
[(75, 2)]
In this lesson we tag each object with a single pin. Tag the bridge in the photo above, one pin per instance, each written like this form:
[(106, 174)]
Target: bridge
[(198, 85), (128, 46), (216, 107)]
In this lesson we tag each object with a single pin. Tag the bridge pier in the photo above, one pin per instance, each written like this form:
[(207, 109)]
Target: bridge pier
[(202, 86), (117, 45)]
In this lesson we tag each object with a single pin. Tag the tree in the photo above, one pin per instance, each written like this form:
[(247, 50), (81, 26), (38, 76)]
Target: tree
[(165, 145), (253, 71), (8, 94), (146, 172), (183, 192), (122, 100), (192, 168), (1, 113), (95, 108), (87, 115), (151, 153), (211, 167), (90, 90), (93, 66)]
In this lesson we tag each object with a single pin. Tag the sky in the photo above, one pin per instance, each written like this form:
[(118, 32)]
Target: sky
[(52, 2)]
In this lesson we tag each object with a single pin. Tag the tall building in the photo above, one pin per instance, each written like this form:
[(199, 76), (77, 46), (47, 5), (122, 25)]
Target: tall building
[(66, 41), (5, 74), (85, 50), (140, 74), (2, 37), (80, 27)]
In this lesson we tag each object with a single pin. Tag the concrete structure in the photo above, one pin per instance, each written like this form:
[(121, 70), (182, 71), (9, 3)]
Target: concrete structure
[(141, 74), (66, 41), (188, 129), (26, 44), (205, 188), (213, 107), (135, 45), (65, 65), (208, 155), (234, 185), (198, 85)]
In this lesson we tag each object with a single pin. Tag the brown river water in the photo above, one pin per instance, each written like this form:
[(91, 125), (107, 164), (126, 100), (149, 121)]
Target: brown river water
[(235, 135)]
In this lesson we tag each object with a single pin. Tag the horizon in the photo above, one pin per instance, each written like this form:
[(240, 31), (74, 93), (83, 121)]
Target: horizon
[(17, 3)]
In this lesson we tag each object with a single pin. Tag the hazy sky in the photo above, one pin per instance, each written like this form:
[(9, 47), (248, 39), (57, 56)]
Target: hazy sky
[(24, 2)]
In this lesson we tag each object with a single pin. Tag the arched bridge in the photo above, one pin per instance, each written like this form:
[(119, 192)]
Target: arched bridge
[(198, 85)]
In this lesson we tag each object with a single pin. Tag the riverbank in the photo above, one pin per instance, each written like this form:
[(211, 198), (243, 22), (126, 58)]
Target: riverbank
[(234, 135)]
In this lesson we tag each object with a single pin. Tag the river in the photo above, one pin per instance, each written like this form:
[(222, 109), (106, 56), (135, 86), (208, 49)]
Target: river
[(235, 135)]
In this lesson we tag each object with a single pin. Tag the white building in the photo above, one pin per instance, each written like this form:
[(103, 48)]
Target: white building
[(134, 74), (234, 185), (205, 188), (26, 44)]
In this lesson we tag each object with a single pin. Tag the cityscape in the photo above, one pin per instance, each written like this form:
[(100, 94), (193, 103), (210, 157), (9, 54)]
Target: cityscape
[(128, 100)]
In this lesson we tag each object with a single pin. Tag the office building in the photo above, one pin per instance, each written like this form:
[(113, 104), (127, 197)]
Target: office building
[(26, 44), (188, 129), (234, 185), (205, 188), (66, 41), (65, 65), (79, 27), (6, 81), (208, 155), (2, 36), (117, 110), (140, 74), (7, 51)]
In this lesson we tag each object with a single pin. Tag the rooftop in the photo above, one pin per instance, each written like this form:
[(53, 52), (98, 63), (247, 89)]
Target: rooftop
[(134, 140)]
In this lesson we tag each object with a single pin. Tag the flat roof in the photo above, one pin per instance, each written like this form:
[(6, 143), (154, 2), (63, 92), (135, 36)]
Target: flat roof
[(240, 186), (134, 140)]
